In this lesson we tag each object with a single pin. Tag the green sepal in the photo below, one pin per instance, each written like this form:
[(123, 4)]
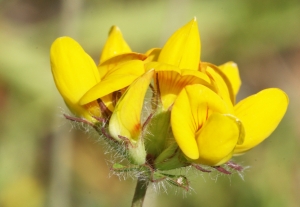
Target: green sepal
[(117, 167), (136, 152), (170, 158), (157, 177), (158, 130)]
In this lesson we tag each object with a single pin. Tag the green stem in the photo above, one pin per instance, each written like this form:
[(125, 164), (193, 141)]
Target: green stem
[(140, 192)]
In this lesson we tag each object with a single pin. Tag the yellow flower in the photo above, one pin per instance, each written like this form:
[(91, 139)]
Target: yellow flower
[(209, 131), (118, 68), (81, 83), (202, 126), (192, 102), (125, 122), (207, 124), (260, 113), (176, 65), (74, 73)]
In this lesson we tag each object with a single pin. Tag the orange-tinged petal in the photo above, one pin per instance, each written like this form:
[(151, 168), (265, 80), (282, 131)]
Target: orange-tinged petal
[(119, 78), (230, 69), (115, 45), (74, 72), (126, 118), (260, 115), (195, 73), (93, 110), (183, 47), (170, 80), (192, 107), (171, 83), (109, 65), (217, 139)]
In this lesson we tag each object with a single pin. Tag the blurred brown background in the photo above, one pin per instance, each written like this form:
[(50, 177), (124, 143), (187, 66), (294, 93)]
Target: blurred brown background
[(47, 161)]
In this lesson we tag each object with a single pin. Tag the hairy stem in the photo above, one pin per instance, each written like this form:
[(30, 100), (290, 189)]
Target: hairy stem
[(140, 192)]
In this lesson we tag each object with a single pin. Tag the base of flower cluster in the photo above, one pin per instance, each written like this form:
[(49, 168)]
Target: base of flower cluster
[(172, 177), (148, 173)]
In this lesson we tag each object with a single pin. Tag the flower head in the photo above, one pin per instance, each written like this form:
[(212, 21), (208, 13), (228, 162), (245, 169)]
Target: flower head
[(203, 127), (165, 109)]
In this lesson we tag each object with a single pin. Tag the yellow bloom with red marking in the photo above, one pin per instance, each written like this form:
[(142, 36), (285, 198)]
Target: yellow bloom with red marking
[(166, 108)]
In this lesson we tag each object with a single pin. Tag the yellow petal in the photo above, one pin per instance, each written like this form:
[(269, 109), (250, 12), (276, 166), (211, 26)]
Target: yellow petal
[(92, 110), (166, 83), (230, 69), (197, 77), (126, 118), (221, 83), (118, 78), (183, 47), (194, 104), (153, 64), (107, 66), (195, 73), (73, 70), (152, 54), (171, 80), (217, 139), (115, 45), (260, 115)]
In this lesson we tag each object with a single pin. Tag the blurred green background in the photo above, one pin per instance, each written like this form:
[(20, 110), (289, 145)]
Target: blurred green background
[(47, 161)]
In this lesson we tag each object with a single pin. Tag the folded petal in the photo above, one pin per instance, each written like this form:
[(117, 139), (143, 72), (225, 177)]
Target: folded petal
[(126, 118), (217, 139), (230, 69), (260, 115), (73, 70), (118, 78), (192, 107), (115, 45), (152, 54), (221, 83), (113, 63), (183, 47)]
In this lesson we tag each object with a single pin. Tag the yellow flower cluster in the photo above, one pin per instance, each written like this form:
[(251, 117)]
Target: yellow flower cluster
[(192, 116)]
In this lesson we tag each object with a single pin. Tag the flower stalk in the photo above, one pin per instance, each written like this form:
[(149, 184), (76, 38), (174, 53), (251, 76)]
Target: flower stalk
[(140, 192)]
